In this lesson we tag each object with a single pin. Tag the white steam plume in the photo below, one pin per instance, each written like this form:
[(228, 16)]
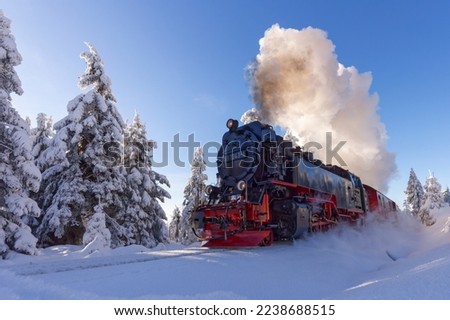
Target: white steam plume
[(298, 84)]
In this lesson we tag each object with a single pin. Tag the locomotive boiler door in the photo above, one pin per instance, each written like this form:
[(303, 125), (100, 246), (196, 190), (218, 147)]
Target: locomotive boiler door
[(239, 157)]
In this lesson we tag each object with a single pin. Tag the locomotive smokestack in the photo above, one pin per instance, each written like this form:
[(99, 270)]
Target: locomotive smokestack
[(298, 84)]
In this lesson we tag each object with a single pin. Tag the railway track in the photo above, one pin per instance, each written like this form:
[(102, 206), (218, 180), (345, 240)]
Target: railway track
[(71, 264)]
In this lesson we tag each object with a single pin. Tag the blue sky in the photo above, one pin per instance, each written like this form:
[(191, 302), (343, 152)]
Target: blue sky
[(181, 65)]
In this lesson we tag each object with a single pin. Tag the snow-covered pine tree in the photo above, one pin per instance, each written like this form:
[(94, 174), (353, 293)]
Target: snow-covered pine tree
[(18, 173), (97, 237), (174, 225), (194, 195), (446, 196), (85, 177), (144, 219), (414, 194), (41, 136), (433, 200)]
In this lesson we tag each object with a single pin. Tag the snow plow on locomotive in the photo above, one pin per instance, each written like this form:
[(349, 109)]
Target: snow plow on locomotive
[(269, 190)]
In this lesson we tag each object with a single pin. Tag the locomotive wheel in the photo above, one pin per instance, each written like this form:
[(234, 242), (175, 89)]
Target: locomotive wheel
[(267, 241)]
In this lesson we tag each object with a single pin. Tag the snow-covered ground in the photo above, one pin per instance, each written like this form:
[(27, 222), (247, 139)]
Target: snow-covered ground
[(380, 260)]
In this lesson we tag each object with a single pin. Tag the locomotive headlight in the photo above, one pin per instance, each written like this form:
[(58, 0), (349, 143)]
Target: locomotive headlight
[(232, 124), (212, 192), (241, 185), (209, 189)]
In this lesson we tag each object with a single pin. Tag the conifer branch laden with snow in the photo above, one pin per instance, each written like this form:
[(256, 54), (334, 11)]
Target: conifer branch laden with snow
[(97, 237), (41, 136), (18, 174), (9, 58)]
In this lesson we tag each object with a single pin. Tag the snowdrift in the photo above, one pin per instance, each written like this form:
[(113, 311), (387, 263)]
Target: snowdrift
[(395, 259)]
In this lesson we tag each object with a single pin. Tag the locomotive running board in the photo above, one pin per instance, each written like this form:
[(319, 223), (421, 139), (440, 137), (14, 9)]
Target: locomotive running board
[(242, 239)]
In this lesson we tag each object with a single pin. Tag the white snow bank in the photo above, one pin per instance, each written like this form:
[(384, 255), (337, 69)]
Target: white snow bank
[(397, 259)]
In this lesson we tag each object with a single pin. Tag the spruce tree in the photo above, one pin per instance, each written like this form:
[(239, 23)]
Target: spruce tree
[(194, 195), (41, 137), (433, 200), (174, 226), (433, 197), (85, 178), (18, 174), (414, 194), (143, 218)]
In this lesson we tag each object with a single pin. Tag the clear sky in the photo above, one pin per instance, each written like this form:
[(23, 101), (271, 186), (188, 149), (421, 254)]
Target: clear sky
[(181, 65)]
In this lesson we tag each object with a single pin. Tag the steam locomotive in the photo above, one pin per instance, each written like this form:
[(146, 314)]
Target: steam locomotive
[(269, 190)]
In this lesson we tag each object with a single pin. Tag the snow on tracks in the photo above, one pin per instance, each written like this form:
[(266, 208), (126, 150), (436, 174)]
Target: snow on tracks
[(54, 266)]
